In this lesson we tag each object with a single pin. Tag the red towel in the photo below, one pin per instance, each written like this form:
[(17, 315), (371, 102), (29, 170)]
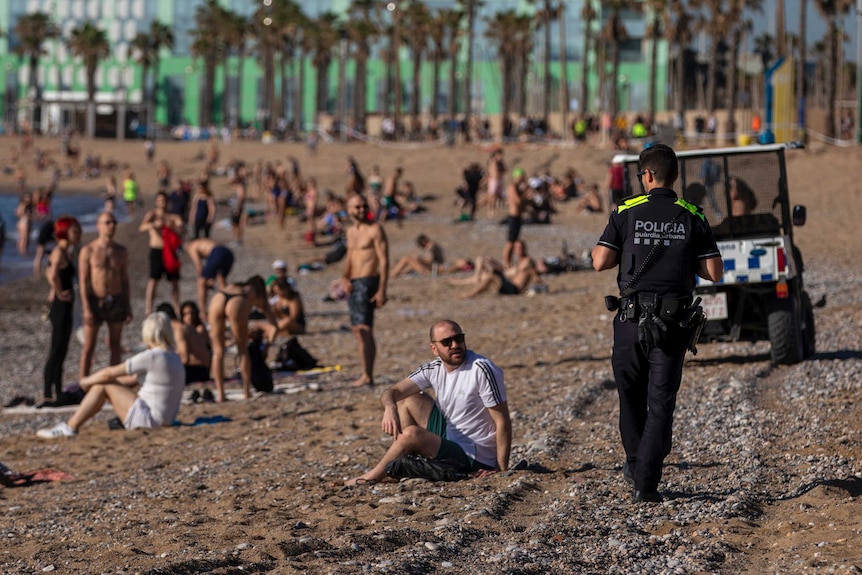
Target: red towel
[(172, 242)]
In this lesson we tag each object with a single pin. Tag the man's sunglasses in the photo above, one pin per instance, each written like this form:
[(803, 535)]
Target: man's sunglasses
[(447, 341), (642, 172)]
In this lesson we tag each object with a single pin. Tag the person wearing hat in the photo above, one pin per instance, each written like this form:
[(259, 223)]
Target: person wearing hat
[(279, 271), (515, 194)]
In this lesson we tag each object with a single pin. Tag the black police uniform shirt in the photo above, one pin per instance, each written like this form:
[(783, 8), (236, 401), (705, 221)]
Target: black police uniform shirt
[(659, 217)]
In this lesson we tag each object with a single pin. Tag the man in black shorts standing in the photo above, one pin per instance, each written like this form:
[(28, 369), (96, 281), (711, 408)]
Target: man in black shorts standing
[(159, 225), (365, 278), (515, 193)]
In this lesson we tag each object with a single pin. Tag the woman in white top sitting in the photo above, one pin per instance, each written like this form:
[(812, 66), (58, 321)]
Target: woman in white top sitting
[(160, 372)]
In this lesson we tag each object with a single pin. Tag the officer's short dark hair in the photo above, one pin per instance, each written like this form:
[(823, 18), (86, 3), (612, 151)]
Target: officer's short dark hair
[(661, 159)]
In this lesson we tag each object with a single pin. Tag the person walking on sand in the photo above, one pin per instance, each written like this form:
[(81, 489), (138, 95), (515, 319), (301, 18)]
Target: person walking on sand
[(157, 401), (496, 170), (365, 279), (219, 262), (467, 421), (60, 275), (103, 280), (163, 230), (656, 278)]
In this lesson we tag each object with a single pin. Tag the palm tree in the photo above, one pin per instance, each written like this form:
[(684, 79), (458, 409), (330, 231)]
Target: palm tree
[(417, 19), (800, 74), (738, 25), (33, 30), (361, 30), (143, 50), (654, 31), (717, 23), (501, 30), (323, 36), (91, 44), (237, 31), (437, 54), (453, 20), (832, 10), (564, 73), (544, 17), (161, 36), (678, 33), (208, 45), (614, 34), (470, 8), (588, 14)]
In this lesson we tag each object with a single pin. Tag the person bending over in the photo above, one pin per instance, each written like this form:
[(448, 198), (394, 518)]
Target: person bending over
[(469, 419), (159, 371)]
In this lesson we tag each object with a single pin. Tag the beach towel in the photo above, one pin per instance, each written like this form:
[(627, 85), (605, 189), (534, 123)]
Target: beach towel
[(11, 478)]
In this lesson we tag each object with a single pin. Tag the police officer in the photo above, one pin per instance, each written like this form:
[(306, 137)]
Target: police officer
[(659, 242)]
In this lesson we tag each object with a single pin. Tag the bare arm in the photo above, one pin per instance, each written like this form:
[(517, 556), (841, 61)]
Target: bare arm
[(111, 374), (147, 222), (604, 258), (503, 422), (389, 399), (84, 284), (711, 269), (126, 289), (381, 247)]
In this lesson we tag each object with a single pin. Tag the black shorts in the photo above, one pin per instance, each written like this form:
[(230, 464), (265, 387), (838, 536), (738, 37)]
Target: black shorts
[(197, 373), (235, 217), (219, 263), (157, 266), (514, 229), (359, 303), (110, 309)]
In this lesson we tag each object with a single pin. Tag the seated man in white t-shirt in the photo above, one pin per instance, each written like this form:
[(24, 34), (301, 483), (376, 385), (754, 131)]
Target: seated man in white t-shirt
[(160, 372), (468, 422)]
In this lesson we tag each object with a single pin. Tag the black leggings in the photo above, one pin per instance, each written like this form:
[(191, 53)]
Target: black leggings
[(202, 229), (61, 320)]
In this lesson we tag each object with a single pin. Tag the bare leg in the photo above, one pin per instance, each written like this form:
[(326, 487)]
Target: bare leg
[(413, 439), (217, 323), (175, 295), (150, 295), (239, 326), (367, 351), (91, 336), (115, 333), (120, 397), (507, 254)]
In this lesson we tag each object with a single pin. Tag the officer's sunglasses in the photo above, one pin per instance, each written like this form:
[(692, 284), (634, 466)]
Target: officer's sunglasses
[(642, 172)]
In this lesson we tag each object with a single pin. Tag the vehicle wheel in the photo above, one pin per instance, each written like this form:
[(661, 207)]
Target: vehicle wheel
[(808, 331), (785, 335)]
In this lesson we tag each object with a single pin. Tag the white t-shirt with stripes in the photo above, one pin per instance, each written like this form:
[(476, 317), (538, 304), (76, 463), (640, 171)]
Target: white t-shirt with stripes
[(463, 397)]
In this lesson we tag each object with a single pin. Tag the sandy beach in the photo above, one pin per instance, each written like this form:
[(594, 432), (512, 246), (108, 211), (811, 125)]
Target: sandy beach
[(765, 476)]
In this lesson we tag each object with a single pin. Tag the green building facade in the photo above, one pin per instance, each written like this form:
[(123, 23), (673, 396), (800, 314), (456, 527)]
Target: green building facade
[(62, 86)]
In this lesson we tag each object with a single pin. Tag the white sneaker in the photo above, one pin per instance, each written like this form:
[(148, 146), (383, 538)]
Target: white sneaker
[(59, 430)]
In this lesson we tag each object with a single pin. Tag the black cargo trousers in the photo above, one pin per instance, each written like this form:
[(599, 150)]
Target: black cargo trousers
[(647, 385)]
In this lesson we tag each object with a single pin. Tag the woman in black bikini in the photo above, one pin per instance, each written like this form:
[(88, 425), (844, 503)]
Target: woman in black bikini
[(60, 275), (233, 304)]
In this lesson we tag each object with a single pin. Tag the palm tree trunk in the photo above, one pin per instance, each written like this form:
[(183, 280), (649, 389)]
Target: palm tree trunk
[(415, 99), (711, 75), (800, 74), (225, 108), (546, 97), (435, 89), (615, 70), (522, 85), (732, 81), (564, 76), (468, 78), (585, 69), (240, 65), (298, 95), (653, 72), (153, 100), (359, 89), (282, 102), (453, 85), (832, 86)]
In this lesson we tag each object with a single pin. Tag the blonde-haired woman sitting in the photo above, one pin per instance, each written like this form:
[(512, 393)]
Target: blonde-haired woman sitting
[(160, 372)]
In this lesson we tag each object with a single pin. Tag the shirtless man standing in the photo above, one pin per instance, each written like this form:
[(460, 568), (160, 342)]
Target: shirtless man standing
[(103, 277), (219, 261), (515, 193), (154, 223), (365, 277)]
